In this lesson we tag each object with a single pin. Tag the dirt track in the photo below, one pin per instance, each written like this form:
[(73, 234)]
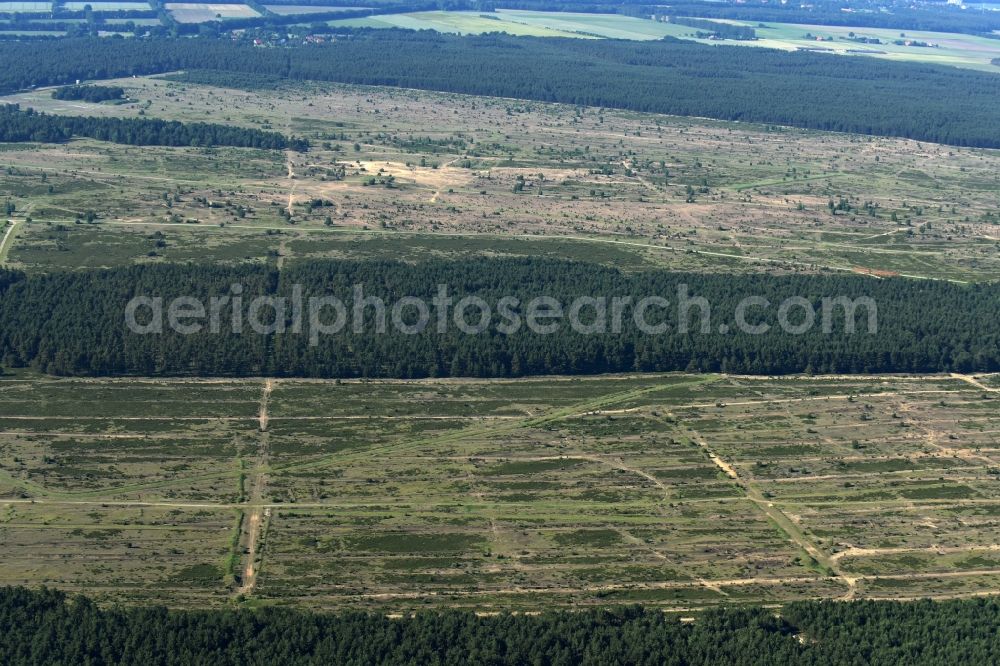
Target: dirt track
[(256, 520)]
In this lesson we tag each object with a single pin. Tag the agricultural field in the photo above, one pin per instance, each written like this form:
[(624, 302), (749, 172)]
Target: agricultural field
[(138, 22), (197, 12), (33, 33), (953, 49), (32, 7), (408, 174), (966, 51), (291, 10), (610, 26), (107, 6), (523, 22), (679, 491)]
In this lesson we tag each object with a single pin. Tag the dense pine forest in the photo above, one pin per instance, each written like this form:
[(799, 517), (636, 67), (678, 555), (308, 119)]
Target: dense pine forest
[(18, 124), (46, 627), (74, 323), (811, 90), (91, 94)]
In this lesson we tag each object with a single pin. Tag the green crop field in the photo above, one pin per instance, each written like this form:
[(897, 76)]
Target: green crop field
[(679, 491), (959, 50)]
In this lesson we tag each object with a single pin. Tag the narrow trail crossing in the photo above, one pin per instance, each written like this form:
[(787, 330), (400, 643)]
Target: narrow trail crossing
[(255, 525)]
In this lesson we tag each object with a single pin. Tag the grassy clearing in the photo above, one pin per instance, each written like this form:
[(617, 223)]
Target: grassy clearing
[(497, 177), (132, 555), (396, 495)]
